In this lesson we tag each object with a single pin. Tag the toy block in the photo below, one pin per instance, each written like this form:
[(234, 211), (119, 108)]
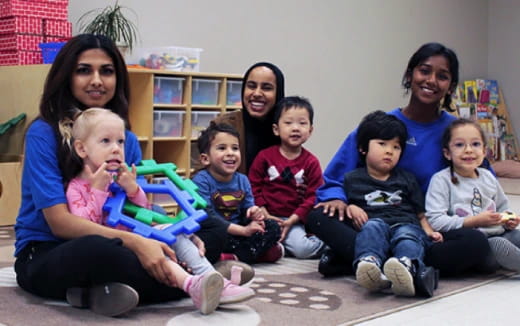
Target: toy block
[(182, 191)]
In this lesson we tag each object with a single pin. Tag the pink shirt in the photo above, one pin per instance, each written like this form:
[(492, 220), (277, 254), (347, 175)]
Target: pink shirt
[(86, 202)]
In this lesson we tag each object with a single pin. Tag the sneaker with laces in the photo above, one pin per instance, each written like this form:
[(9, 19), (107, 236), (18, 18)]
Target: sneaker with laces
[(369, 275), (225, 268), (205, 290), (273, 254), (110, 299), (401, 273)]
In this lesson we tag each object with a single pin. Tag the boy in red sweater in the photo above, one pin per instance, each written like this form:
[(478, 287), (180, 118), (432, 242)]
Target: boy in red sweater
[(285, 177)]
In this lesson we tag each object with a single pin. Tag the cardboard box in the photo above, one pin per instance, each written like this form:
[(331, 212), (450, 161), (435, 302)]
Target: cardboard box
[(10, 188), (20, 42), (36, 9), (21, 25), (17, 57)]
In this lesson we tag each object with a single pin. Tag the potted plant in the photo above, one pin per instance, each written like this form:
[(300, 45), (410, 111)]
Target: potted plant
[(112, 23)]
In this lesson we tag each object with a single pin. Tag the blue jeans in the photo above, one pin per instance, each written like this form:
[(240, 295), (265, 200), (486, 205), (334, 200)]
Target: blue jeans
[(383, 241)]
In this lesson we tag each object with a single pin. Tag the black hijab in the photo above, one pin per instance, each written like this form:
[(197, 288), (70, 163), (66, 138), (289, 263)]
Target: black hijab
[(259, 133)]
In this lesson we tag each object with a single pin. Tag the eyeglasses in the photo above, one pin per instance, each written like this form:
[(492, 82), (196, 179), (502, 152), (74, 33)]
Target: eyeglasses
[(461, 146)]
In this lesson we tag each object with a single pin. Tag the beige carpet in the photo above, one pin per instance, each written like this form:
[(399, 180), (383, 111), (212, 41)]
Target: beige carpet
[(288, 293)]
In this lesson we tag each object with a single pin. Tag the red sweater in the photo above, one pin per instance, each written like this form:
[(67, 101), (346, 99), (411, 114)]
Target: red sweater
[(274, 180)]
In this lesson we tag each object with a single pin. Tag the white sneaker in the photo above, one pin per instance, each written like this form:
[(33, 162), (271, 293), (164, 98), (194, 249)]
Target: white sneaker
[(399, 272), (369, 276)]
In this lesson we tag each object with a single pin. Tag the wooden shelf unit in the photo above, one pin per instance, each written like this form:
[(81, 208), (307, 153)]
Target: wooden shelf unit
[(178, 149)]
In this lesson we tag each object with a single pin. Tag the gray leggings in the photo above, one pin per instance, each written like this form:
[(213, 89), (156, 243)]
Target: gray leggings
[(506, 248)]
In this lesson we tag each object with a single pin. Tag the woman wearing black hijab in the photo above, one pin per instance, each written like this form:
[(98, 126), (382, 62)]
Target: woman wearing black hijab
[(262, 87)]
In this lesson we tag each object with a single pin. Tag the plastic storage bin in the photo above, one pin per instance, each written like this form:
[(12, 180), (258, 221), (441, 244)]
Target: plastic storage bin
[(169, 58), (50, 50), (205, 91), (234, 92), (168, 123), (167, 90), (200, 120)]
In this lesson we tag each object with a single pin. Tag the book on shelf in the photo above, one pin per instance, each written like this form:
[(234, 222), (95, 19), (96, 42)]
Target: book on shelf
[(470, 91)]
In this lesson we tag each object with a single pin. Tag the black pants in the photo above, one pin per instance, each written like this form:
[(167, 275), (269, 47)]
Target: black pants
[(213, 231), (463, 250), (48, 269), (249, 249)]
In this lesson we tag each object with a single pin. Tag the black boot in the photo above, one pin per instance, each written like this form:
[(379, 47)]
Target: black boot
[(332, 265), (426, 281)]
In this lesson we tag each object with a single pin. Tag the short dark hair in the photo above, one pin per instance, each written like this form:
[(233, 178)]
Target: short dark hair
[(291, 102), (379, 125), (422, 54), (209, 134)]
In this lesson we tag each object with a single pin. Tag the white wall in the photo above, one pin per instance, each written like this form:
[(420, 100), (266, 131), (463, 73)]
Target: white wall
[(504, 52), (346, 56)]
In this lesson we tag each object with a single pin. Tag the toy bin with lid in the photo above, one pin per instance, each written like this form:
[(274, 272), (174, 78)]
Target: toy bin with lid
[(205, 91), (168, 123), (167, 58)]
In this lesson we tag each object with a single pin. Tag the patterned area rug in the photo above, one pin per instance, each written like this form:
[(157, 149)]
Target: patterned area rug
[(290, 292)]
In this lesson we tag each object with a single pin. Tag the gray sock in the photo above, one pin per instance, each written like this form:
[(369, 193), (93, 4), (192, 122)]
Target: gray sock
[(506, 253)]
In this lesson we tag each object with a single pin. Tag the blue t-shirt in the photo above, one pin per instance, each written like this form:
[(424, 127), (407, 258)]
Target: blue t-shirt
[(227, 200), (42, 183), (422, 155)]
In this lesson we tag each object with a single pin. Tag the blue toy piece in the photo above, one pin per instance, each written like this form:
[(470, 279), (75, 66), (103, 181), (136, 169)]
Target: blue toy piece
[(183, 191)]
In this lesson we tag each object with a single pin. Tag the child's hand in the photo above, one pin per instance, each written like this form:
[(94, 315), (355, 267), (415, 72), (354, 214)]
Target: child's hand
[(286, 225), (358, 216), (487, 218), (126, 179), (254, 227), (199, 244), (255, 213), (100, 179), (511, 223), (436, 236)]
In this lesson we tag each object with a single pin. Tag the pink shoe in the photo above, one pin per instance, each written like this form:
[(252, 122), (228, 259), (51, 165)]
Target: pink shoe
[(273, 254), (232, 292), (205, 290)]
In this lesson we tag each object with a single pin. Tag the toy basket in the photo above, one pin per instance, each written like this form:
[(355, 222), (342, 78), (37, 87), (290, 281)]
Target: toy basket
[(50, 50)]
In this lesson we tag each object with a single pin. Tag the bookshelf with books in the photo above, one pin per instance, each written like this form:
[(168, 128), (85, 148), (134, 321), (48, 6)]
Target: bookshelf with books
[(482, 100)]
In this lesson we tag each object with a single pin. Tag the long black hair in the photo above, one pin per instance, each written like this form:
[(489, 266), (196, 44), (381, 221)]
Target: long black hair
[(422, 54)]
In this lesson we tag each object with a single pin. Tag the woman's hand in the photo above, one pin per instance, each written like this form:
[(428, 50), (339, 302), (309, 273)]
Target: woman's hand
[(333, 206), (153, 256)]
